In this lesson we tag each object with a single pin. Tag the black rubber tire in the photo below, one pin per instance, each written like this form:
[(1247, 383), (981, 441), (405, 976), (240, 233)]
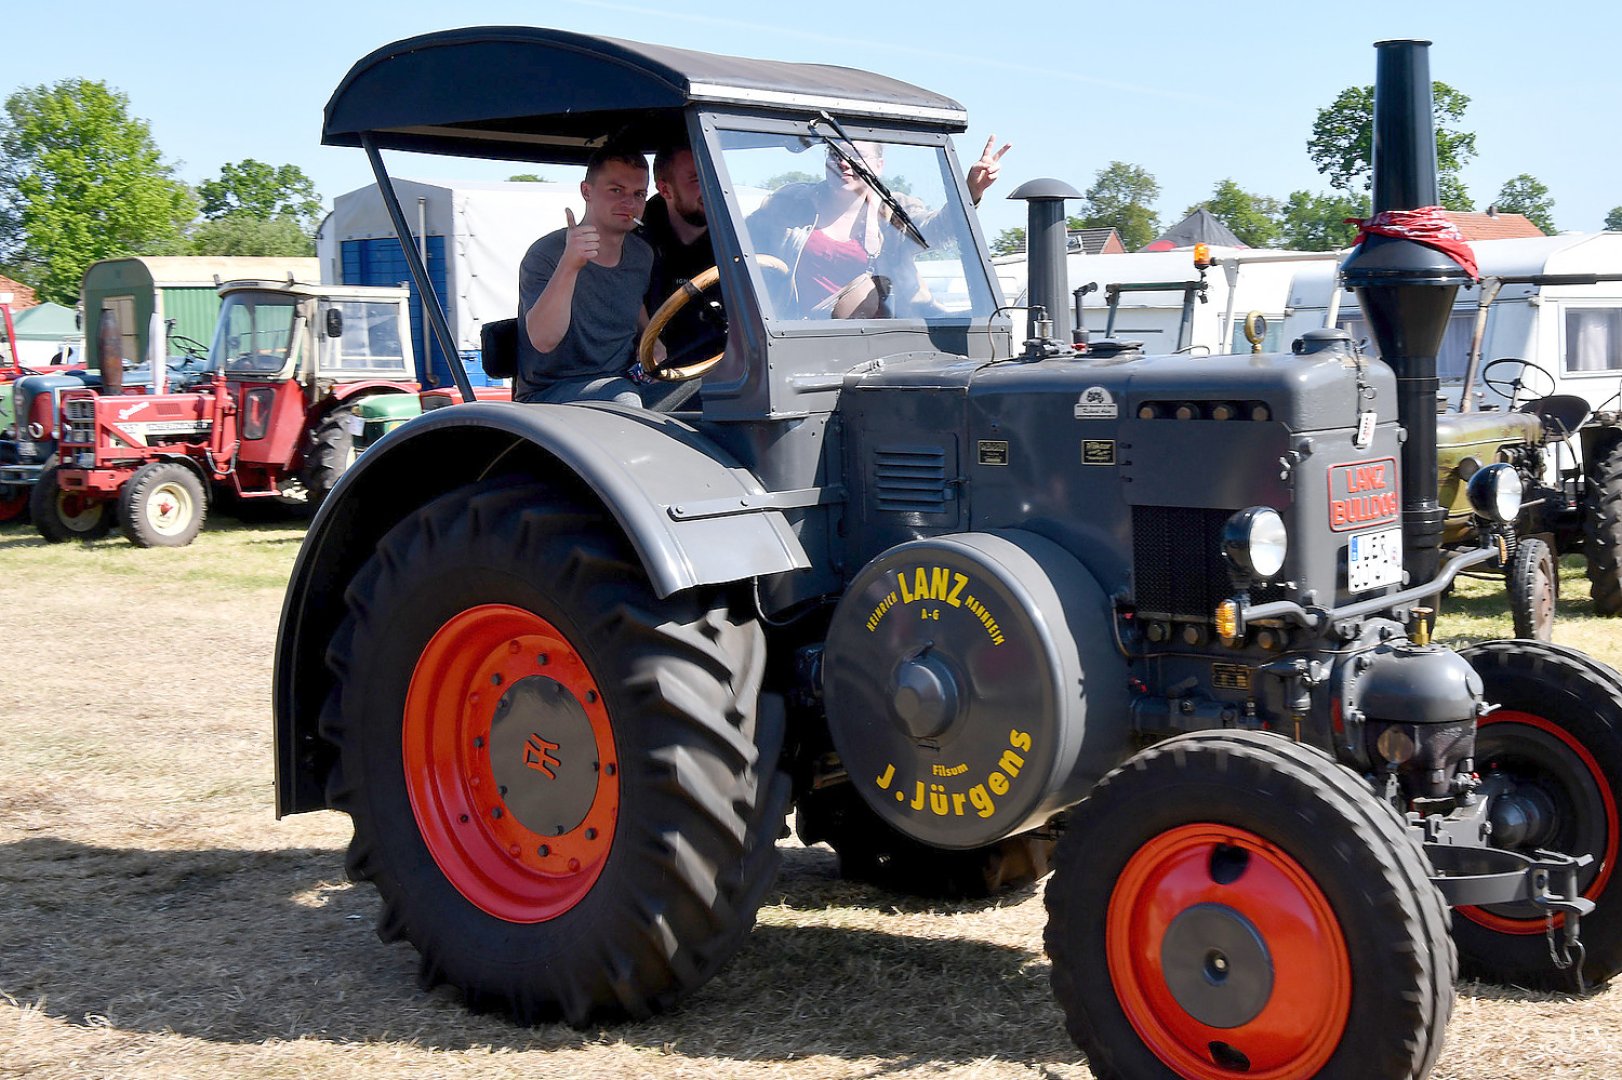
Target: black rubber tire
[(1533, 583), (1582, 698), (14, 499), (1400, 964), (141, 507), (331, 452), (872, 851), (702, 797), (46, 504), (1602, 533)]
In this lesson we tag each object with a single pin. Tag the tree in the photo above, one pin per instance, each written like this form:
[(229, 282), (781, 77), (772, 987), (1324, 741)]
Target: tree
[(81, 180), (772, 183), (1613, 220), (1342, 142), (1252, 218), (266, 192), (1009, 242), (1526, 194), (1311, 222), (1122, 197), (244, 234), (528, 178)]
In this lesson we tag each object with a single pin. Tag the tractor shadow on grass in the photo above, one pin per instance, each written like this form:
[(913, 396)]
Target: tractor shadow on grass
[(247, 946)]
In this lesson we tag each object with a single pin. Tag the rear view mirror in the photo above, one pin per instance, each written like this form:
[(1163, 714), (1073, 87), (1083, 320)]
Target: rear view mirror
[(335, 323)]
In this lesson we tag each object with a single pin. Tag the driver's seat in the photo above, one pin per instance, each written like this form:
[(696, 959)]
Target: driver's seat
[(1560, 414)]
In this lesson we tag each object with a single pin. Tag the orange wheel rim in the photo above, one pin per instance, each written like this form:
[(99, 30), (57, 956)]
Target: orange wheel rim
[(1226, 957), (1538, 924), (510, 763)]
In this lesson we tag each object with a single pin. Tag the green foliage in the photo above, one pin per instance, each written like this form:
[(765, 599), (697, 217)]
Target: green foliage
[(1122, 197), (528, 178), (1613, 220), (1252, 218), (266, 192), (1009, 242), (82, 180), (1526, 194), (1311, 222), (244, 234), (772, 183), (1342, 142)]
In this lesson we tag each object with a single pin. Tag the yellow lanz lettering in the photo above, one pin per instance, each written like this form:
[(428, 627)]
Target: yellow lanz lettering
[(881, 610), (931, 583)]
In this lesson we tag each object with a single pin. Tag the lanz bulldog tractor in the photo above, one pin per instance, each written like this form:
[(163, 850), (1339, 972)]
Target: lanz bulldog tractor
[(302, 377), (567, 667)]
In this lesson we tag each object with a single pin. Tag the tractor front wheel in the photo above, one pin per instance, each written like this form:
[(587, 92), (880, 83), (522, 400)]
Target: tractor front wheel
[(1533, 582), (162, 505), (873, 851), (331, 452), (67, 515), (1550, 759), (1237, 904), (566, 790)]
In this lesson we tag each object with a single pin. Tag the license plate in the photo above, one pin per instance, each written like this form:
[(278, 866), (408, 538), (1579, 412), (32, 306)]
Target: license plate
[(1374, 559)]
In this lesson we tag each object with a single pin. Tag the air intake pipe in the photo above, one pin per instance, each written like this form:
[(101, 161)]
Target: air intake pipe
[(1046, 246), (1406, 288)]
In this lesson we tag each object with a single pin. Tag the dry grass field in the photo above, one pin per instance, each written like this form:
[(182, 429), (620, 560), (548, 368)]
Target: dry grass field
[(157, 921)]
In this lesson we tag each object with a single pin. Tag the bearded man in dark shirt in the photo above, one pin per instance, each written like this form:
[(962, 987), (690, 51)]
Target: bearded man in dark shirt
[(675, 225)]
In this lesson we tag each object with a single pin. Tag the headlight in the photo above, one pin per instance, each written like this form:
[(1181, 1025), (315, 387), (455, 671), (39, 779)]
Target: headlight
[(1495, 492), (1254, 542)]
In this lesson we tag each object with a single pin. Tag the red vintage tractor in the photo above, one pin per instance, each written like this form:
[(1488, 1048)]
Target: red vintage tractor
[(281, 417)]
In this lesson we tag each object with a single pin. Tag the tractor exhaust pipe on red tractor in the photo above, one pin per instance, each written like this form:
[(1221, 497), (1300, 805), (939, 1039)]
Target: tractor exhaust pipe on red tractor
[(1406, 269)]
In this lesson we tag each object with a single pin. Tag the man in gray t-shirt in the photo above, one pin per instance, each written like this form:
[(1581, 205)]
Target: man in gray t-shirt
[(580, 291)]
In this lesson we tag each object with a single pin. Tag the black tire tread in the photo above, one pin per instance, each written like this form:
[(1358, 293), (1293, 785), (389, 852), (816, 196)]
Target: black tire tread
[(1602, 533), (328, 456), (701, 850), (43, 508), (1525, 598)]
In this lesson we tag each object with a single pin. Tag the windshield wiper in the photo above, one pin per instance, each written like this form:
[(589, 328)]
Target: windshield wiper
[(853, 158)]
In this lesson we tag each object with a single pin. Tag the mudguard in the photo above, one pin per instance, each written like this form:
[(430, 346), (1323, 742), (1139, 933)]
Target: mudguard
[(642, 466)]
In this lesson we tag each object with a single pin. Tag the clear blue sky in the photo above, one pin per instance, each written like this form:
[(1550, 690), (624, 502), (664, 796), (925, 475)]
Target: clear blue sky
[(1192, 92)]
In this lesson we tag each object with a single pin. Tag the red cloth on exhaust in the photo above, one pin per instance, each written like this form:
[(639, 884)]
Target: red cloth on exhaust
[(1427, 225)]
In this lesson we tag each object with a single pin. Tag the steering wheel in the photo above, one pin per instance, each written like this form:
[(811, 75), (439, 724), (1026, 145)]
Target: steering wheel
[(686, 294), (1511, 388), (190, 346)]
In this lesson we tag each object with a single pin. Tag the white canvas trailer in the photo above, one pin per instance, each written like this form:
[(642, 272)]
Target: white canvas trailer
[(473, 233), (1571, 330), (1241, 280)]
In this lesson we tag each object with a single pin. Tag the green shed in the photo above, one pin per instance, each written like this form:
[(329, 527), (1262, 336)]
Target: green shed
[(183, 289)]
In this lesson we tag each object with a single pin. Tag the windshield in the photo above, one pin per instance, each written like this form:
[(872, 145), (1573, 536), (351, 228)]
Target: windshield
[(253, 334), (831, 245), (369, 342)]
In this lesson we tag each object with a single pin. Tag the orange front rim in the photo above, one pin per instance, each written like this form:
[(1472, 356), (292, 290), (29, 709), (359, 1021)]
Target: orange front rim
[(1226, 957), (510, 763), (1585, 770)]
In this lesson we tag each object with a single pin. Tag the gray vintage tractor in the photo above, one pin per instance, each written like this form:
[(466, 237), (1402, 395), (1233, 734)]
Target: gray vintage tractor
[(568, 667)]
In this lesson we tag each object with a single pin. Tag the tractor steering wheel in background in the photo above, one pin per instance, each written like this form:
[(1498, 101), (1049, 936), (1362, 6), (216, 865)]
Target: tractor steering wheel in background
[(190, 346), (686, 294), (1511, 388)]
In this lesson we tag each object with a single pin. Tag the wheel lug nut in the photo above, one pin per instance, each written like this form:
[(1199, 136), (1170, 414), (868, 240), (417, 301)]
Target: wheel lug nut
[(478, 742), (543, 851)]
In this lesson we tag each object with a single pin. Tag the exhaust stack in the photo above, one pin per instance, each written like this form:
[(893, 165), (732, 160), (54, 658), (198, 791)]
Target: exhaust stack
[(1406, 288), (1045, 250)]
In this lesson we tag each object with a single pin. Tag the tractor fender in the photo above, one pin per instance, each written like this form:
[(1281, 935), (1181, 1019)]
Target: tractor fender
[(664, 483), (345, 391)]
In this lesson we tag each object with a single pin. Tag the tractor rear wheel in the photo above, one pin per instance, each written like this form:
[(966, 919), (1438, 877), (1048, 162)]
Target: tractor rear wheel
[(67, 515), (332, 451), (1602, 533), (1550, 757), (1533, 582), (162, 505), (1235, 903), (871, 850), (566, 790)]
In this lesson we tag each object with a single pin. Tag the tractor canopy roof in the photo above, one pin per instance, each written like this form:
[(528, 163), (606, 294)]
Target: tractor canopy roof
[(534, 94)]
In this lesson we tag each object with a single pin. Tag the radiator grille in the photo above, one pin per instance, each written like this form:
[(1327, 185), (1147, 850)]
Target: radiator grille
[(1177, 564), (910, 479)]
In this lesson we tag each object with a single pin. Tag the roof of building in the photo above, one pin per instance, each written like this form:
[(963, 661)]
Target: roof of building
[(1493, 225), (1096, 241), (22, 296)]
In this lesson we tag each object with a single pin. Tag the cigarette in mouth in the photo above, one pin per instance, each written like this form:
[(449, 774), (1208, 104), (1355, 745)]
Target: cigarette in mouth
[(636, 221)]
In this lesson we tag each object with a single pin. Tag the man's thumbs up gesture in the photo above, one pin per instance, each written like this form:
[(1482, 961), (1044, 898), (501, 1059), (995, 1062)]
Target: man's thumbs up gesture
[(581, 246)]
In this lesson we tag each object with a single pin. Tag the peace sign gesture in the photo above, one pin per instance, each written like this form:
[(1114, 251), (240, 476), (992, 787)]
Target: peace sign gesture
[(983, 173)]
